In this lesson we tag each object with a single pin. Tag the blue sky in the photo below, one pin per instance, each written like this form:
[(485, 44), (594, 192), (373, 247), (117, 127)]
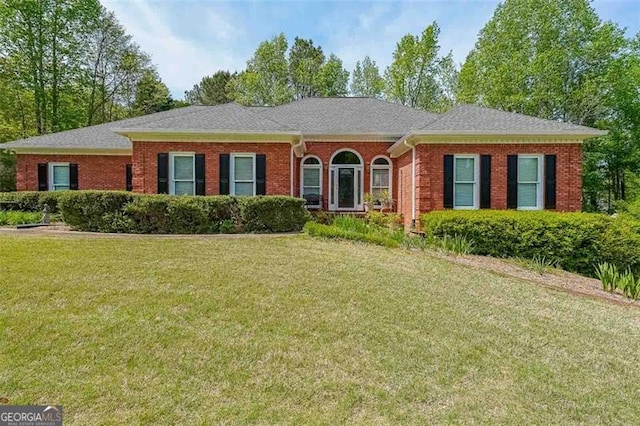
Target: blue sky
[(189, 39)]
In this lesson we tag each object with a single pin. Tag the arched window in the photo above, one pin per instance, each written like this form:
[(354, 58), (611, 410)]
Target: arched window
[(381, 179), (311, 181), (346, 157)]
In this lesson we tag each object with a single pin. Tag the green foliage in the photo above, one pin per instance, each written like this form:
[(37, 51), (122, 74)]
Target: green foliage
[(608, 275), (33, 201), (7, 171), (305, 63), (539, 264), (212, 90), (18, 217), (272, 213), (576, 241), (629, 284), (457, 244), (333, 79), (152, 95), (114, 211), (366, 79), (336, 232), (418, 77)]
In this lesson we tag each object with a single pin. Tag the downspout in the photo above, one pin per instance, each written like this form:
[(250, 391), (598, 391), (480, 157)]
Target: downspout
[(291, 165), (413, 180)]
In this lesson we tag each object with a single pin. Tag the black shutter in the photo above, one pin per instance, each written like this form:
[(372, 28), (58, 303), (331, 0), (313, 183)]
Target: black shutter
[(448, 181), (512, 181), (261, 174), (129, 177), (163, 173), (200, 174), (550, 182), (224, 174), (73, 176), (43, 177), (485, 181)]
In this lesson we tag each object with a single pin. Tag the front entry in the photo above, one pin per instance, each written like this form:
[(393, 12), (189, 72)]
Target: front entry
[(345, 182)]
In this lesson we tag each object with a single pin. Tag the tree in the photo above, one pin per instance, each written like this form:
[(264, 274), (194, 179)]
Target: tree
[(152, 95), (558, 60), (305, 64), (266, 80), (212, 90), (333, 79), (416, 77), (366, 79)]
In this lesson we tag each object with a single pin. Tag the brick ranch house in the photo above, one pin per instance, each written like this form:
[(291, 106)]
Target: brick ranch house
[(331, 151)]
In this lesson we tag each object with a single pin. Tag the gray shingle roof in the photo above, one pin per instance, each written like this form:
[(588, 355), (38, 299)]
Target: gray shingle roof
[(230, 117), (349, 115), (480, 120), (100, 136), (309, 116)]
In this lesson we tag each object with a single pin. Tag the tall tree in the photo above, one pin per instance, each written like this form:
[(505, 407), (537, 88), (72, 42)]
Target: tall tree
[(366, 79), (212, 90), (152, 95), (305, 63), (416, 77), (333, 79), (266, 80), (556, 59)]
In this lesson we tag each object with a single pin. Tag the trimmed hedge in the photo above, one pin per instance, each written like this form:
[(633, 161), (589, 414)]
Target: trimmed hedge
[(33, 201), (126, 212), (577, 241)]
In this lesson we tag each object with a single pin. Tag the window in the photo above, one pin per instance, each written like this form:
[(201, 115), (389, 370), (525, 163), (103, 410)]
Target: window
[(465, 182), (380, 178), (243, 172), (529, 182), (182, 173), (59, 177), (311, 177)]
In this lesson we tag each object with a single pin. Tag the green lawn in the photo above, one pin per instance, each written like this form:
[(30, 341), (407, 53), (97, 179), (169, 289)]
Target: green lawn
[(297, 330)]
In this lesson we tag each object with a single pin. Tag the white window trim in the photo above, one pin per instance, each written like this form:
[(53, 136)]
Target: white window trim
[(358, 183), (388, 167), (476, 183), (172, 180), (539, 193), (311, 166), (50, 172), (232, 169)]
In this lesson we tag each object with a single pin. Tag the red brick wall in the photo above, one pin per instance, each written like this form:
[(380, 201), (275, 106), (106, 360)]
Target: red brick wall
[(94, 171), (430, 174), (367, 150), (145, 163)]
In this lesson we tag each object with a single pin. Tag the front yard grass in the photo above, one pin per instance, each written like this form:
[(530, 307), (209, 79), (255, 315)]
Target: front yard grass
[(298, 330)]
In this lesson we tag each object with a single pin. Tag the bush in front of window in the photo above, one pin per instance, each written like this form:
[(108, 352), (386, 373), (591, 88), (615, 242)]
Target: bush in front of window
[(272, 213), (31, 201), (126, 212), (576, 241)]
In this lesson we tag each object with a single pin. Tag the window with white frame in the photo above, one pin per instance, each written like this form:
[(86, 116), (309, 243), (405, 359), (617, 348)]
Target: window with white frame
[(59, 177), (311, 177), (466, 173), (183, 173), (380, 178), (529, 182), (243, 174)]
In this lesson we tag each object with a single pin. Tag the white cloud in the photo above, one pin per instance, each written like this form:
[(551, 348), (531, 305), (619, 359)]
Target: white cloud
[(181, 61)]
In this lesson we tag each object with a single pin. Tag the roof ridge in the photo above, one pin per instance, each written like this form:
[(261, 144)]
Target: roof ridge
[(259, 114)]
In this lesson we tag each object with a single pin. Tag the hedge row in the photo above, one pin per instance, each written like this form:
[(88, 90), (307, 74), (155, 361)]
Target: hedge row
[(31, 201), (577, 241), (114, 211)]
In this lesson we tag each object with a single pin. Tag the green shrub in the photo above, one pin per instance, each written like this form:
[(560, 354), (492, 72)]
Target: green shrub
[(575, 241), (330, 231), (629, 284), (608, 276), (92, 210), (457, 244), (272, 214), (19, 218), (33, 201), (539, 264)]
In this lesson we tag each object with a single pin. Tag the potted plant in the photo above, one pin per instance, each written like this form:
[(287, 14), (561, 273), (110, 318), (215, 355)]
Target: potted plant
[(369, 202), (385, 200)]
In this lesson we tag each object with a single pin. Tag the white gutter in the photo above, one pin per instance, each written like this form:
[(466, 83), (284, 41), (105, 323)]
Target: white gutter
[(291, 171), (413, 181)]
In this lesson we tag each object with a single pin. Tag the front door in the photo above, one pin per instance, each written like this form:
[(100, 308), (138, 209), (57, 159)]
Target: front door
[(346, 188)]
